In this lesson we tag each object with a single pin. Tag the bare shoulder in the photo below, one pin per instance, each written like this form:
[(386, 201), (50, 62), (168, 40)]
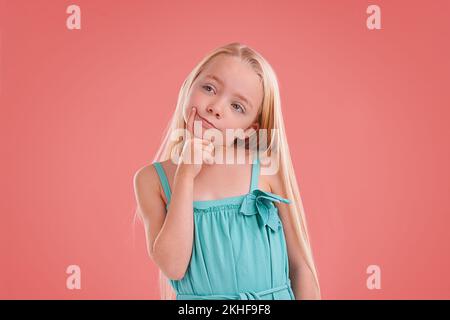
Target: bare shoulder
[(169, 169), (147, 187), (146, 177)]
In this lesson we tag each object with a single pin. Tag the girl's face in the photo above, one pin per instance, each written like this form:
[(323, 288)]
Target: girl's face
[(228, 94)]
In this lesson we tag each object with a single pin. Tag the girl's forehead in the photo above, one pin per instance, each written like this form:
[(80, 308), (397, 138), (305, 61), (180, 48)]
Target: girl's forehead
[(230, 68)]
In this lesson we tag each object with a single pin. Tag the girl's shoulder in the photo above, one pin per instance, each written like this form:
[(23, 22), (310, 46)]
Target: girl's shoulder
[(169, 169), (147, 186), (147, 176)]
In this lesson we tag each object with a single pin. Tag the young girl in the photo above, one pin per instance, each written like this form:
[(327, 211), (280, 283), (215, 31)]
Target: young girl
[(227, 231)]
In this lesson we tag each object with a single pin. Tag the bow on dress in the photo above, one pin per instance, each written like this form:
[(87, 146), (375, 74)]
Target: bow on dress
[(261, 203)]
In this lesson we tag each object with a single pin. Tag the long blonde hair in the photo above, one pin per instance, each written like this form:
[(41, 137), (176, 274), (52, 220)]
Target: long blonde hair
[(270, 117)]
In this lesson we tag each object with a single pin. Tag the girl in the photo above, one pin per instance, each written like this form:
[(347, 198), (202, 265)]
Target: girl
[(227, 231)]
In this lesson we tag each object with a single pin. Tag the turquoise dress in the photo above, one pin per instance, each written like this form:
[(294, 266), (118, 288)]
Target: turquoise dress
[(239, 248)]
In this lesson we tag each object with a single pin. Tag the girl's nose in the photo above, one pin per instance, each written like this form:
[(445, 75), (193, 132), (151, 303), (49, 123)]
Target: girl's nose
[(216, 111)]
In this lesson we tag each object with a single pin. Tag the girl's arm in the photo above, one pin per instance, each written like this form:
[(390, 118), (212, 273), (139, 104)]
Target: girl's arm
[(169, 236), (302, 279), (303, 283)]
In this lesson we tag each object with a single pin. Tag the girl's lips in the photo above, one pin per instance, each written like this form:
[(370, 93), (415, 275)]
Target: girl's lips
[(205, 122)]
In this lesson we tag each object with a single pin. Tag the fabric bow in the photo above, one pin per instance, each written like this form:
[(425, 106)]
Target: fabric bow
[(261, 203)]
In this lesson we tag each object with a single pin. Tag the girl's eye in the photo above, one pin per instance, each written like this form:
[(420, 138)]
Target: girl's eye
[(207, 86), (239, 108)]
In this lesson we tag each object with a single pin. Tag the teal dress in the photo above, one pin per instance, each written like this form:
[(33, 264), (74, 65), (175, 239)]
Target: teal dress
[(239, 248)]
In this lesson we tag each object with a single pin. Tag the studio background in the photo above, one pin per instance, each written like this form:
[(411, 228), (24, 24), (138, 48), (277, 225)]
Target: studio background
[(366, 113)]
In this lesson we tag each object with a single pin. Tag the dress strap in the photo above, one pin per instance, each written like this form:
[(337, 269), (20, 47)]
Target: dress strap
[(255, 173), (163, 179)]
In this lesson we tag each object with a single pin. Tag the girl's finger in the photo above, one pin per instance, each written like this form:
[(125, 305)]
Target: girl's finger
[(210, 147), (209, 154), (190, 121), (207, 158), (205, 142), (201, 141)]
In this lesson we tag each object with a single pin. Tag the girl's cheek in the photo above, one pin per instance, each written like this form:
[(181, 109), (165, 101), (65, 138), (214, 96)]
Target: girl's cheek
[(195, 99), (191, 102)]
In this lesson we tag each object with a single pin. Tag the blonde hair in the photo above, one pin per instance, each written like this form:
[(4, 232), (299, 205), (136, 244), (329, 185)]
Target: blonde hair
[(270, 117)]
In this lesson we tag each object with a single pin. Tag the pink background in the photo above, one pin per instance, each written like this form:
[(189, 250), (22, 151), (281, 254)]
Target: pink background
[(366, 111)]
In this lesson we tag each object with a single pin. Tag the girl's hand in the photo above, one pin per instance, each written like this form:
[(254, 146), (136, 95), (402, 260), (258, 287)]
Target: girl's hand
[(194, 147)]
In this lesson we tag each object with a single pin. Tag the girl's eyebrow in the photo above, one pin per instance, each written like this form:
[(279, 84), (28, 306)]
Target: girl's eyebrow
[(236, 94)]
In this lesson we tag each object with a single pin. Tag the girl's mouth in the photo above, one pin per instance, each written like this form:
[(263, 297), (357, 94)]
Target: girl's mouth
[(205, 123)]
